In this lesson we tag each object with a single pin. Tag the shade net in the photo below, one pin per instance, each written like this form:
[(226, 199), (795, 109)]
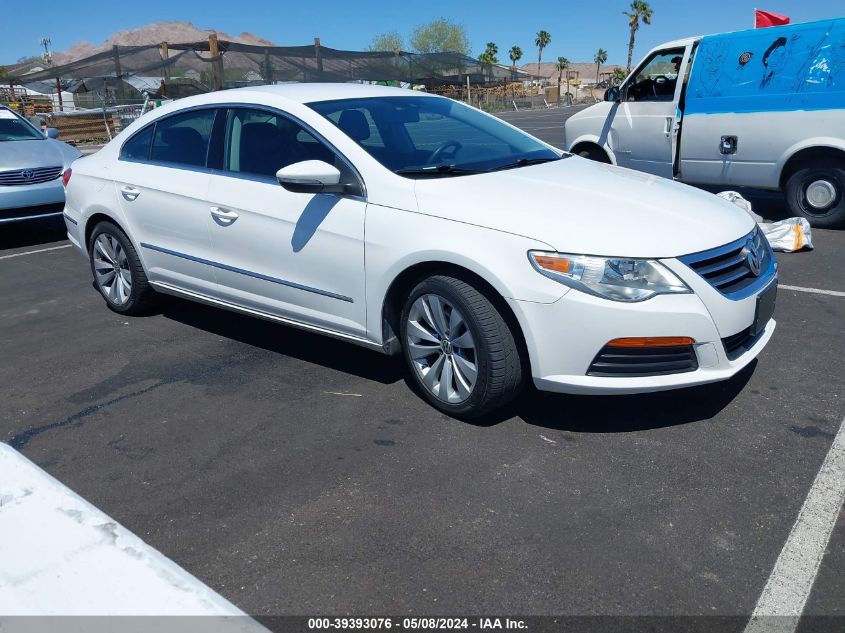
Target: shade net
[(190, 68)]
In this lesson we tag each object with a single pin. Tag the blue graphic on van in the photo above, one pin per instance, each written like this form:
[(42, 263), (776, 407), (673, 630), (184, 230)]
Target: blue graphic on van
[(796, 67)]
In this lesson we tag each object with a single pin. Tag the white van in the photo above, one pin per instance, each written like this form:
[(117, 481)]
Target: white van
[(762, 108)]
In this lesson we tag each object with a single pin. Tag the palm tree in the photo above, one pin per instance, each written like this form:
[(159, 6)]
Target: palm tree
[(515, 53), (488, 57), (600, 58), (541, 41), (639, 11), (561, 65)]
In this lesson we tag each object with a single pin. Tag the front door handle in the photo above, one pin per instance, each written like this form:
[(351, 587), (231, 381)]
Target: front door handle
[(223, 217), (129, 192)]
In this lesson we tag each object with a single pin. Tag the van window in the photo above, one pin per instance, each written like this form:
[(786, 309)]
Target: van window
[(656, 79), (183, 138), (138, 147)]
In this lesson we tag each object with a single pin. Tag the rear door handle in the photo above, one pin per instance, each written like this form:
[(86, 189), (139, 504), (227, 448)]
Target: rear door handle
[(223, 217), (129, 192), (670, 122)]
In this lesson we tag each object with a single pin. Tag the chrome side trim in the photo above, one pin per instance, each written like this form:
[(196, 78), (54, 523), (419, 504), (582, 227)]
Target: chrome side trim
[(70, 219), (248, 273), (219, 303)]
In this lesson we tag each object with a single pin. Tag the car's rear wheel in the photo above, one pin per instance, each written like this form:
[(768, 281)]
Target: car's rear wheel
[(118, 273), (460, 351), (817, 192)]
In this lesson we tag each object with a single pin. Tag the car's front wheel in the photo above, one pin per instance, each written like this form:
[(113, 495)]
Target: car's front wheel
[(460, 350), (118, 273)]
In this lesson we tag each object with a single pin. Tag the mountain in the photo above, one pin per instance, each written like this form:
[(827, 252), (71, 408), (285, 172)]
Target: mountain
[(153, 34)]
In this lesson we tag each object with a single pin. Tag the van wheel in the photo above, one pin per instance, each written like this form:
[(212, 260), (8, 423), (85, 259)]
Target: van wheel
[(817, 192), (460, 351), (118, 273), (594, 153)]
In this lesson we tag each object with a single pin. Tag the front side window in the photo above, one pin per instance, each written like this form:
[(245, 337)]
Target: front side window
[(656, 79), (432, 136), (183, 138), (259, 143), (138, 147), (14, 128)]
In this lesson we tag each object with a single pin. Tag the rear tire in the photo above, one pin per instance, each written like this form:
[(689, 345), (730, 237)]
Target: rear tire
[(460, 351), (817, 192), (118, 273)]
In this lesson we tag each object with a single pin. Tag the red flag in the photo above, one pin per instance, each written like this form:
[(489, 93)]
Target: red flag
[(767, 18)]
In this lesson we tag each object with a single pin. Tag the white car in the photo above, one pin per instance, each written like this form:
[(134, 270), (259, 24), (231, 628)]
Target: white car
[(414, 224), (31, 168)]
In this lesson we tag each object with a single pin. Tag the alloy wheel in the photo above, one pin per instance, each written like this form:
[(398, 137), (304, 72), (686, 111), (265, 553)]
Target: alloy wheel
[(111, 268), (442, 348)]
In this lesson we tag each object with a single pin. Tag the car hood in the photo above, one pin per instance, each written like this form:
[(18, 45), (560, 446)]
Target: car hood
[(37, 153), (580, 206)]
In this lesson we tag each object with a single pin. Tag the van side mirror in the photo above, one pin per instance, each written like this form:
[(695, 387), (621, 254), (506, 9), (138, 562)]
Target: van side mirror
[(613, 94), (310, 176), (51, 132)]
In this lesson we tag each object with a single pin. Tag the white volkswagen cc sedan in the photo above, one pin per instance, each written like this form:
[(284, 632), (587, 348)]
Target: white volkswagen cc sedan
[(413, 224)]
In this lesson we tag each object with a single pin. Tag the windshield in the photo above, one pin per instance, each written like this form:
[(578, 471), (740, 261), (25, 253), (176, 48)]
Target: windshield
[(432, 136), (13, 128)]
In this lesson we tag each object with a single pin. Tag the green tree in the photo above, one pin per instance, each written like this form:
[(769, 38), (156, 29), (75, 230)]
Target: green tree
[(640, 12), (618, 76), (599, 58), (387, 42), (561, 65), (542, 40), (440, 36), (488, 58), (515, 53)]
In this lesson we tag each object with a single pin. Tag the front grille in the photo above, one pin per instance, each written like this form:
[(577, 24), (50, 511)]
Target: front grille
[(33, 176), (31, 212), (630, 362), (729, 268), (737, 344)]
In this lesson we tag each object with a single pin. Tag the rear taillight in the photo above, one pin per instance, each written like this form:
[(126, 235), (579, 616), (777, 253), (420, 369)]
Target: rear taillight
[(66, 176)]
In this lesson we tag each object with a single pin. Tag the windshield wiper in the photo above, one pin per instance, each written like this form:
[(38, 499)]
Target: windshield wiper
[(436, 170), (524, 162)]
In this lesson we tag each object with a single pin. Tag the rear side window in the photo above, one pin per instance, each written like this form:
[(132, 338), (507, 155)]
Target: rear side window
[(183, 138), (138, 147)]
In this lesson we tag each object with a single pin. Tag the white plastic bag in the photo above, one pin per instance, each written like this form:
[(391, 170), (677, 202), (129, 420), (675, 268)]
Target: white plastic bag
[(787, 236)]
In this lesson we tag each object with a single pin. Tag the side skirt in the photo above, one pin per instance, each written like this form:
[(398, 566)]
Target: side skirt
[(168, 289)]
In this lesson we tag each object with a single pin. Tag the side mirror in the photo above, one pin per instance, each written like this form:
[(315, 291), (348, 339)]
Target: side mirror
[(613, 94), (51, 132), (310, 176)]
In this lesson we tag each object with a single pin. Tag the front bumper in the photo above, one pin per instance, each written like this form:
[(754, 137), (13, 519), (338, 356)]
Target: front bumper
[(564, 337), (29, 202)]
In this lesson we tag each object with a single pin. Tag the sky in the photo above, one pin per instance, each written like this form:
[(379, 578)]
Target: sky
[(578, 27)]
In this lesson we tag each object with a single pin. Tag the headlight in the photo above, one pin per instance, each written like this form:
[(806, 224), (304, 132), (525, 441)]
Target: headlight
[(617, 279)]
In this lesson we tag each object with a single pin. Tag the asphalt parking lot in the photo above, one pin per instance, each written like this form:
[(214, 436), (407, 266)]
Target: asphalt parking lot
[(299, 475)]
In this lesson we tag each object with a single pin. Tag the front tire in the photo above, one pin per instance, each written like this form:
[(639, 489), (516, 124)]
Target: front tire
[(460, 351), (817, 192), (118, 273)]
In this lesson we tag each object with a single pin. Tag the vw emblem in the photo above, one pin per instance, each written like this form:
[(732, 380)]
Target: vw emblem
[(752, 258), (27, 174)]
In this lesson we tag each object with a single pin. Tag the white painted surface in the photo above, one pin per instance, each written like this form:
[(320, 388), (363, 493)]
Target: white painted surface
[(785, 594), (815, 291), (38, 250), (61, 556)]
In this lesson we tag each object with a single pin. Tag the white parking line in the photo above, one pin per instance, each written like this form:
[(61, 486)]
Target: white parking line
[(40, 250), (816, 291), (785, 594)]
